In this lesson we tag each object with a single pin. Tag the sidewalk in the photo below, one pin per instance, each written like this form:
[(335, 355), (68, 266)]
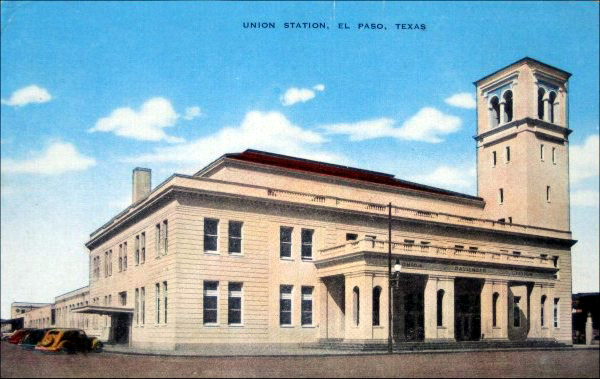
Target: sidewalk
[(277, 350)]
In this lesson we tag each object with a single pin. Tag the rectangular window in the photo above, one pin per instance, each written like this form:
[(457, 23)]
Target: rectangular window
[(211, 294), (501, 196), (554, 155), (307, 241), (285, 242), (110, 261), (123, 298), (109, 300), (165, 301), (165, 237), (351, 236), (234, 305), (542, 152), (106, 264), (494, 159), (516, 312), (143, 305), (307, 305), (120, 257), (285, 305), (507, 154), (211, 234), (548, 193), (235, 237), (137, 250), (555, 313), (143, 248), (158, 240), (136, 308), (157, 290), (124, 256)]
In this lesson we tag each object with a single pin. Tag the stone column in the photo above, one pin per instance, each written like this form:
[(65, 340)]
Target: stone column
[(546, 330), (588, 330), (487, 310), (447, 284), (499, 331), (546, 102), (322, 301), (502, 112), (534, 319), (364, 329), (430, 310), (433, 332)]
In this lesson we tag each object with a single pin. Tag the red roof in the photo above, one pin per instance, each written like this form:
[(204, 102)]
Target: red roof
[(305, 165)]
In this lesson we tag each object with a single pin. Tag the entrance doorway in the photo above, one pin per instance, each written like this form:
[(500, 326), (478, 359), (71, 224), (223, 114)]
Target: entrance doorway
[(467, 309), (408, 308), (121, 324)]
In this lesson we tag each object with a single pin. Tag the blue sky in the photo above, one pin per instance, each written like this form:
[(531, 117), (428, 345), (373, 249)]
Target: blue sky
[(91, 90)]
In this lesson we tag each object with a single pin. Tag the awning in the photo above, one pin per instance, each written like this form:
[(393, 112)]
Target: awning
[(102, 310)]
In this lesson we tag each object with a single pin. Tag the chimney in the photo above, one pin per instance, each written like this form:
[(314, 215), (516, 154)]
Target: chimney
[(142, 184)]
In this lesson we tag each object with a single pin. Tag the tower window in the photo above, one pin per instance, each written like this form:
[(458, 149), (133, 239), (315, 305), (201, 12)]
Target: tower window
[(494, 112), (542, 152), (541, 94), (501, 196), (548, 193), (554, 155), (507, 154), (494, 160), (551, 107), (508, 106)]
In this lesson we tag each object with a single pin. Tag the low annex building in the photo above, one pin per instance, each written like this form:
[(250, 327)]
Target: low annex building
[(266, 248)]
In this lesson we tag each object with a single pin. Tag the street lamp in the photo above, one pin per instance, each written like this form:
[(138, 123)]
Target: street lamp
[(392, 278), (394, 283)]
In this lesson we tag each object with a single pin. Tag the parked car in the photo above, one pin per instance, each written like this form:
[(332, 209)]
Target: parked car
[(17, 336), (32, 338), (68, 341), (6, 335)]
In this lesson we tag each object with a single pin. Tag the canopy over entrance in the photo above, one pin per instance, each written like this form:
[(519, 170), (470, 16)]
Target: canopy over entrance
[(102, 310)]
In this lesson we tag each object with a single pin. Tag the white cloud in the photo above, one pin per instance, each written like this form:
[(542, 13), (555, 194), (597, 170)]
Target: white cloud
[(295, 95), (269, 131), (585, 198), (364, 130), (448, 177), (192, 112), (58, 158), (462, 100), (147, 124), (427, 125), (28, 95), (584, 159)]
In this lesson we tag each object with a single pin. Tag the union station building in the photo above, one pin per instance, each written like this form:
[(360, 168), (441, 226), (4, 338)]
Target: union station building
[(265, 248)]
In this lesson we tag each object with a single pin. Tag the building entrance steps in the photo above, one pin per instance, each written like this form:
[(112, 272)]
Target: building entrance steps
[(427, 346), (336, 347)]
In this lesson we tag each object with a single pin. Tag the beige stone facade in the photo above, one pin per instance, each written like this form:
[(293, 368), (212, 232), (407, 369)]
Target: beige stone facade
[(263, 248)]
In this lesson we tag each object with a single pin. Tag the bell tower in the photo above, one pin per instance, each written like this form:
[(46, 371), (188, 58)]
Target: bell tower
[(522, 144)]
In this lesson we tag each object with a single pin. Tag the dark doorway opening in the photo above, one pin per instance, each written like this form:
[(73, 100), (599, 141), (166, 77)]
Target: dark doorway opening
[(467, 309)]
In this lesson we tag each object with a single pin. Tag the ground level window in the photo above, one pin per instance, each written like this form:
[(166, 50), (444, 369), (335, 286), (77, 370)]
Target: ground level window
[(235, 304), (211, 294), (307, 305), (285, 305)]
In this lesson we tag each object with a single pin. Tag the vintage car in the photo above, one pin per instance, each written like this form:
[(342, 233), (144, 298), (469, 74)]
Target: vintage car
[(32, 338), (17, 336), (68, 341)]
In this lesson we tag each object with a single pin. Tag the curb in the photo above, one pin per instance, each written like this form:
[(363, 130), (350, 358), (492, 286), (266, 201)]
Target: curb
[(341, 352)]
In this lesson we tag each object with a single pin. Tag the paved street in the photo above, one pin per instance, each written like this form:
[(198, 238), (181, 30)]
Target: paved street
[(548, 363)]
